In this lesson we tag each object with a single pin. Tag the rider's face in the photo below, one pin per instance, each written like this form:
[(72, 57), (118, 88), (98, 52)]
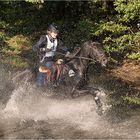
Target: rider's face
[(53, 34)]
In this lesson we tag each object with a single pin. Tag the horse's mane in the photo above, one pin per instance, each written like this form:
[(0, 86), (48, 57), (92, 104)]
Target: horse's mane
[(85, 48), (76, 51), (92, 43), (86, 44)]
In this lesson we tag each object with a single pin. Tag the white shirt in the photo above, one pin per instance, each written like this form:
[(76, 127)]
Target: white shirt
[(52, 46)]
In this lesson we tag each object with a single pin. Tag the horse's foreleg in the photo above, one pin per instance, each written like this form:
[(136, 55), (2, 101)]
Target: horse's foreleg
[(97, 101), (99, 105), (92, 91)]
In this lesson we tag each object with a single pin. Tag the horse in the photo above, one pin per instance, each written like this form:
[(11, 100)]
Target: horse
[(74, 71)]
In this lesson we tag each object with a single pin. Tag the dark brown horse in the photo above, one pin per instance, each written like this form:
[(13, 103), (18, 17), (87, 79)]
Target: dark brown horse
[(75, 71), (77, 66)]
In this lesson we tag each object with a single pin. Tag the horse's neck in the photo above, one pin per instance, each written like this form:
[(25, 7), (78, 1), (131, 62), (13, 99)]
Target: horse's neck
[(84, 63), (79, 63)]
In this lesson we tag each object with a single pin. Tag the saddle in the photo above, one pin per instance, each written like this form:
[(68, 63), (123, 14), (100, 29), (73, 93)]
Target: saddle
[(48, 72)]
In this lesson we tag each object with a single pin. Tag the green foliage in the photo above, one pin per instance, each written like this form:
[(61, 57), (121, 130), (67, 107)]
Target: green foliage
[(116, 37), (134, 56), (128, 10), (3, 25), (77, 33), (121, 35), (2, 36), (132, 100), (35, 1), (137, 39), (111, 28)]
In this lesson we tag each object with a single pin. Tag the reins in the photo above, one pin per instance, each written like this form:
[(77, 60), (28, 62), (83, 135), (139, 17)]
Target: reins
[(77, 57)]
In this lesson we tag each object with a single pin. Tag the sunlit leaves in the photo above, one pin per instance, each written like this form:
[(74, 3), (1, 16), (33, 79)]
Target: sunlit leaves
[(35, 1), (134, 100), (111, 27), (128, 9)]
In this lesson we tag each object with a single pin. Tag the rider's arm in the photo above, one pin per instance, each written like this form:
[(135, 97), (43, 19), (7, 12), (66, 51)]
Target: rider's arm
[(40, 45), (63, 50)]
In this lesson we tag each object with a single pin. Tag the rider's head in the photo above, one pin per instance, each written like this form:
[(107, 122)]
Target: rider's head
[(52, 31)]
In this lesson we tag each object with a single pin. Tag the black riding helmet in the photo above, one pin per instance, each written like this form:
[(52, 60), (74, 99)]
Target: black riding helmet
[(53, 28)]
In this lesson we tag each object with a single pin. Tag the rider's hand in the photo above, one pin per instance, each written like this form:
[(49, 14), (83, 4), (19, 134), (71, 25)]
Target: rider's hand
[(59, 61), (67, 54), (42, 49)]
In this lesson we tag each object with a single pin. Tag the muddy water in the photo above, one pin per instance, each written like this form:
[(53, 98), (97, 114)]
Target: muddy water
[(30, 113)]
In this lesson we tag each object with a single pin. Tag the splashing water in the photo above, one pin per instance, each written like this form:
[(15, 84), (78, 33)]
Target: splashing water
[(32, 113)]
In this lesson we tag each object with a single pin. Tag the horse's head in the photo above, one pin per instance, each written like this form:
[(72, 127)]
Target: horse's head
[(95, 51)]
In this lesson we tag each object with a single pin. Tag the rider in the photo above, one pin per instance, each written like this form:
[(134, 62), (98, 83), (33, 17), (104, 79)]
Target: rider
[(46, 48)]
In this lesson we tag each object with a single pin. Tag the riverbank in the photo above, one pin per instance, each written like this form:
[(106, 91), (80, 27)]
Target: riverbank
[(129, 72)]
